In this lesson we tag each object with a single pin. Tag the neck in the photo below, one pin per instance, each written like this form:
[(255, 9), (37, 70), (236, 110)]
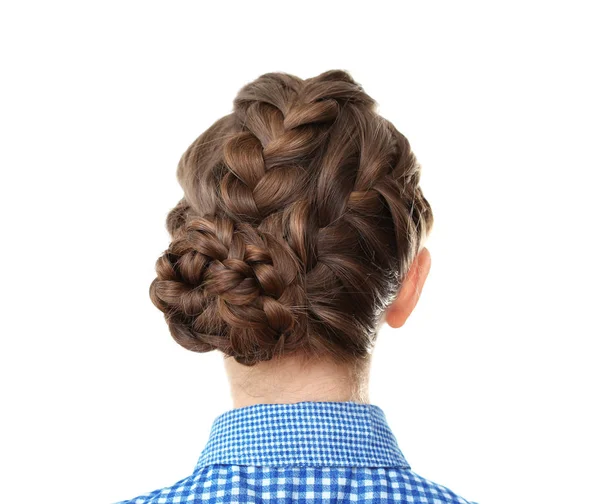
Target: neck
[(293, 379)]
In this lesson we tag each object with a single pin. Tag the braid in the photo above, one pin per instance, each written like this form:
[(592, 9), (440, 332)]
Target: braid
[(301, 214)]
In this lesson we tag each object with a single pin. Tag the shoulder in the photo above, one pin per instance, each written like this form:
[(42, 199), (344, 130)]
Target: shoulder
[(178, 492), (424, 491)]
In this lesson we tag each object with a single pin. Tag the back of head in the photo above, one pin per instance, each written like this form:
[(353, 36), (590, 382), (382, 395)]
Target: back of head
[(301, 215)]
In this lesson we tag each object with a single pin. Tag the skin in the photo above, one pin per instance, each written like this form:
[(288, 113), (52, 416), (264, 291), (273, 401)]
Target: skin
[(293, 379)]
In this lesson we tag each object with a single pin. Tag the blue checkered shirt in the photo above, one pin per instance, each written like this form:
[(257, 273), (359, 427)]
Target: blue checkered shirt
[(302, 452)]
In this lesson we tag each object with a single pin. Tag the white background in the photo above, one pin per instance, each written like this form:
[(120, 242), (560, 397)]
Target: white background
[(491, 387)]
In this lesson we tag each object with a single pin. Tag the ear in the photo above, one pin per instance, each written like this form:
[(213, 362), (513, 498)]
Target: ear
[(410, 291)]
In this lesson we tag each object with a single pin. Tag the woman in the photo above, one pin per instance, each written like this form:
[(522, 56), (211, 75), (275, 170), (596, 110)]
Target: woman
[(301, 231)]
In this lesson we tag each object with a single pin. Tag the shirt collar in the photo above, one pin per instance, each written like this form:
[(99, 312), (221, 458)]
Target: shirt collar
[(303, 434)]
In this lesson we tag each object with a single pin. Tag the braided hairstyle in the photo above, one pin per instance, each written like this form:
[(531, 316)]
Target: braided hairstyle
[(301, 215)]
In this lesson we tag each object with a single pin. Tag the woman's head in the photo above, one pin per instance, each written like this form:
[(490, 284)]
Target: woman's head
[(301, 216)]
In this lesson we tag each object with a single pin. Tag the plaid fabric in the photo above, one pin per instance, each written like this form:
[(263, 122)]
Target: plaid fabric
[(302, 452)]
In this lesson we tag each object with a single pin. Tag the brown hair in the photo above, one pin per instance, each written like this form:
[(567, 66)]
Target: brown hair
[(301, 215)]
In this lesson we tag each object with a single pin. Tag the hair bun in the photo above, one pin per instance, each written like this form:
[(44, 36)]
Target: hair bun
[(227, 286)]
